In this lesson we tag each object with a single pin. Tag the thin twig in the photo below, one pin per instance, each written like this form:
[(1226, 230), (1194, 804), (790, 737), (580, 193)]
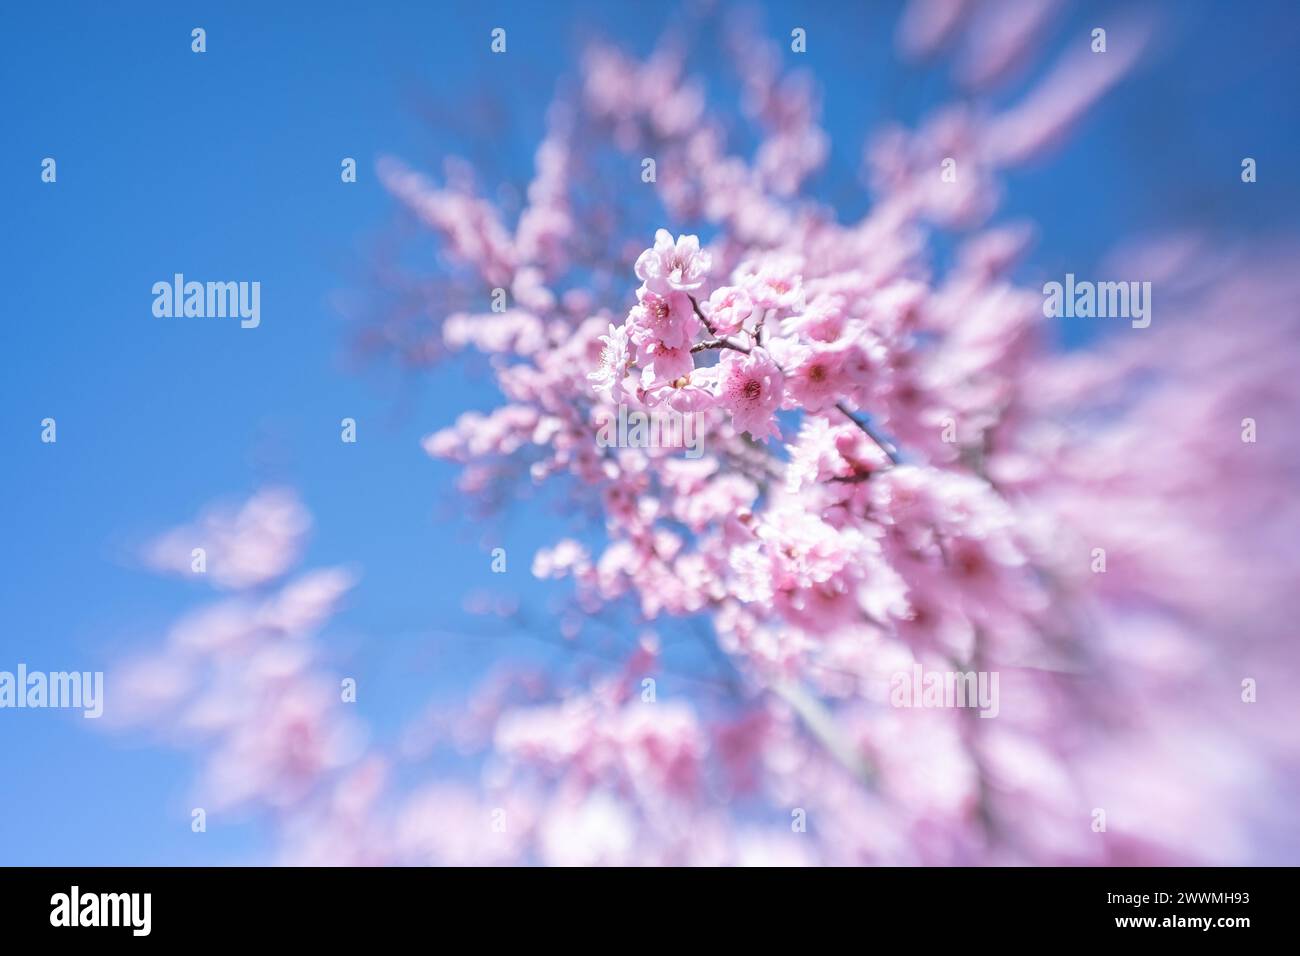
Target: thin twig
[(703, 318), (719, 344), (886, 446)]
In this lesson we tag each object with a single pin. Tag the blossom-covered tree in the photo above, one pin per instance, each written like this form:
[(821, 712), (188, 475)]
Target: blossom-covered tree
[(900, 475)]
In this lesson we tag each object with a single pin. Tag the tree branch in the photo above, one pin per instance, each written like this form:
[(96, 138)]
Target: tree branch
[(886, 446)]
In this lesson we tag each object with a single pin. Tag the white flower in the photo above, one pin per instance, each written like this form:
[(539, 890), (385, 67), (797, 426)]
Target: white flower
[(680, 265), (614, 358)]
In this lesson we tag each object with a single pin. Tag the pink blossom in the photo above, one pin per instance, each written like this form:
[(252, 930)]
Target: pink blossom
[(667, 318), (772, 281), (241, 548), (728, 308), (823, 320), (662, 365), (751, 387), (695, 390), (815, 377)]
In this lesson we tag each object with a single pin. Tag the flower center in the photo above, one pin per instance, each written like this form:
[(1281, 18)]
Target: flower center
[(970, 564), (753, 388)]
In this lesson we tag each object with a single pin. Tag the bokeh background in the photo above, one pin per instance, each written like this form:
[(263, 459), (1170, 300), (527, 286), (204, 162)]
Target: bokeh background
[(225, 166)]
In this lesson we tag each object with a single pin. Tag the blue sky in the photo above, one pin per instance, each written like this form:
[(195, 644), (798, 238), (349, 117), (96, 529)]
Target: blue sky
[(226, 166)]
